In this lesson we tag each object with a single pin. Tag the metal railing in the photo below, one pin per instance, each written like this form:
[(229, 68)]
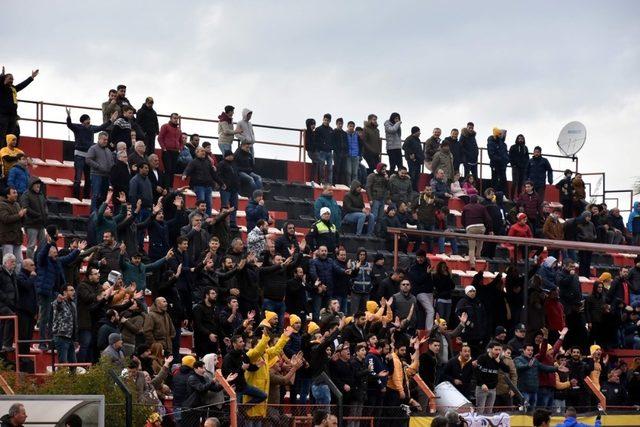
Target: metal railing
[(295, 138)]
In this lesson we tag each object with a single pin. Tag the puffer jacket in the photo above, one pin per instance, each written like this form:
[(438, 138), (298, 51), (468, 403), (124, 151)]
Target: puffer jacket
[(377, 187), (353, 201), (36, 205), (528, 380), (444, 161), (537, 169), (65, 320), (498, 154), (519, 155), (469, 146), (201, 173), (18, 178), (400, 189), (326, 201), (10, 223), (392, 133), (372, 143)]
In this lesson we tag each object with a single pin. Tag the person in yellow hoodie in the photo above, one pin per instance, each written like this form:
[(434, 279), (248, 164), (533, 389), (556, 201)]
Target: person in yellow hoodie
[(261, 356), (9, 154)]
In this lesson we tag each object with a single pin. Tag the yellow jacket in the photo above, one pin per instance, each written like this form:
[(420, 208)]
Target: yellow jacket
[(260, 378)]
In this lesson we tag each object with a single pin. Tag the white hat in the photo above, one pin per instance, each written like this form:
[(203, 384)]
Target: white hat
[(325, 210), (469, 289)]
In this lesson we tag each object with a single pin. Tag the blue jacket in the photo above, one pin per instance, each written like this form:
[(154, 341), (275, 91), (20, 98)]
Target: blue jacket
[(140, 188), (379, 364), (635, 213), (329, 202), (255, 212), (353, 144), (83, 135), (537, 169), (138, 274), (548, 276), (294, 345), (18, 178), (572, 422), (324, 269), (51, 277), (528, 375), (498, 154)]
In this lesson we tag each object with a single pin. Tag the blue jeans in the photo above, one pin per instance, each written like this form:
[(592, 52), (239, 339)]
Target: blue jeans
[(377, 209), (99, 187), (325, 159), (85, 338), (352, 165), (443, 309), (530, 399), (545, 397), (252, 179), (321, 394), (359, 219), (66, 350), (46, 311), (255, 393), (277, 307), (224, 147), (203, 192), (454, 245), (318, 301), (81, 168), (230, 198)]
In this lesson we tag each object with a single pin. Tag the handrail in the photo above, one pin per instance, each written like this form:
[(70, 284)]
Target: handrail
[(233, 404), (337, 393), (426, 390), (128, 398), (6, 388), (596, 391)]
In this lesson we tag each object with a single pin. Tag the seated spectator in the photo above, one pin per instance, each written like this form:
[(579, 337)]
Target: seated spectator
[(400, 188), (203, 177), (246, 167), (256, 210), (19, 177), (390, 219), (440, 186), (456, 190), (137, 155), (326, 200), (616, 224), (355, 212), (470, 185), (114, 353)]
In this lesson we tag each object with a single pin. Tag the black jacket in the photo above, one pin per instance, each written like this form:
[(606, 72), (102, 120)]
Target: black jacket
[(27, 301), (204, 323), (274, 280), (519, 156), (147, 118), (231, 363), (455, 371), (7, 106), (486, 371), (339, 142), (180, 379), (8, 290), (456, 150), (197, 388), (412, 145), (228, 173), (201, 173), (244, 160), (477, 318), (36, 205), (119, 177), (323, 138)]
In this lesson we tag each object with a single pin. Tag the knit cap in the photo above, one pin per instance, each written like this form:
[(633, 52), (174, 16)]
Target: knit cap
[(312, 328), (188, 361), (372, 307), (114, 338), (293, 319)]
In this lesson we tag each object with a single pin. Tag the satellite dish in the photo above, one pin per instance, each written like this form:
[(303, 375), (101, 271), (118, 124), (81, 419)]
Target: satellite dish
[(572, 138)]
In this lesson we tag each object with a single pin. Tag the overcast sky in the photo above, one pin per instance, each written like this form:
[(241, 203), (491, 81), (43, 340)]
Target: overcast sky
[(529, 67)]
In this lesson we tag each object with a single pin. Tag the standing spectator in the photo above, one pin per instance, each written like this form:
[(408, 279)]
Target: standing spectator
[(324, 146), (340, 152), (414, 154), (443, 160), (124, 128), (537, 169), (393, 135), (137, 155), (9, 104), (114, 353), (498, 159), (469, 148), (311, 147), (246, 127), (100, 159), (633, 224), (203, 177), (120, 174), (121, 98), (553, 229), (322, 272), (419, 275), (530, 203), (565, 188), (431, 146), (355, 212), (192, 144), (353, 154), (475, 327), (231, 180), (83, 136), (9, 154), (519, 159), (443, 287), (65, 325), (206, 328), (529, 369), (405, 307), (27, 304), (147, 118), (225, 129), (585, 232), (110, 106), (36, 217), (170, 140), (246, 167), (8, 298), (19, 177), (256, 211), (476, 220), (257, 238), (486, 373), (158, 325), (456, 149), (371, 143), (579, 194), (378, 190), (11, 216), (326, 200), (159, 179)]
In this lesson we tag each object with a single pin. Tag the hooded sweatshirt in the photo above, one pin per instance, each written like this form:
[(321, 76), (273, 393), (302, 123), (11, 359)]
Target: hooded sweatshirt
[(353, 201), (519, 154), (469, 146), (247, 128), (36, 205), (635, 213)]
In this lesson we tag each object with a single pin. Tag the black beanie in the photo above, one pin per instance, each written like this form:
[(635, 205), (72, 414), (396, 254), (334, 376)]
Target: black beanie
[(415, 129)]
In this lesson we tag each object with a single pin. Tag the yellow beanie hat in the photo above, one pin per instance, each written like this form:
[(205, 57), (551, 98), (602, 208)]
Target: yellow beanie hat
[(348, 320), (11, 137), (188, 361), (372, 307), (497, 132), (604, 277), (294, 319), (440, 321), (594, 348), (312, 328), (269, 315)]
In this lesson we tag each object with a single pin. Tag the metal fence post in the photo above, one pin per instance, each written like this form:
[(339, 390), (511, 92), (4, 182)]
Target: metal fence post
[(337, 393), (128, 400)]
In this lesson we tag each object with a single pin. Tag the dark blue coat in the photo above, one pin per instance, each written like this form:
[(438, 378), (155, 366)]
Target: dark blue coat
[(27, 300), (255, 212), (83, 135), (537, 169), (498, 154), (51, 277), (325, 270)]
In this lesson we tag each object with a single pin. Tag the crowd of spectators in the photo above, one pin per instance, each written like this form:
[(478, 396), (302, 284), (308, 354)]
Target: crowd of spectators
[(351, 320)]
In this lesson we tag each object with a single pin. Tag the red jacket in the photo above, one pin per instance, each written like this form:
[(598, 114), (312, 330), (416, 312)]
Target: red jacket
[(554, 313), (170, 137), (547, 379), (520, 230), (532, 205)]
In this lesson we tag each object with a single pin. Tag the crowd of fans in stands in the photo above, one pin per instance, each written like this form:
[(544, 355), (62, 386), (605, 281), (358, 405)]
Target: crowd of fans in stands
[(349, 317)]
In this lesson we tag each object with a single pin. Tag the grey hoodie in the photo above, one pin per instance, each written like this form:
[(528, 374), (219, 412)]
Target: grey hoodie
[(247, 128)]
